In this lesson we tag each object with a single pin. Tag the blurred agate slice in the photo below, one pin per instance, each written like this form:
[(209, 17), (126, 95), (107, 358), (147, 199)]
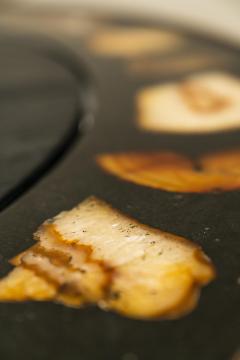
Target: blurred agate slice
[(170, 171), (131, 41), (180, 63), (206, 102)]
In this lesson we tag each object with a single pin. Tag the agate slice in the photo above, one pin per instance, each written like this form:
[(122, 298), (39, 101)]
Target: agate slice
[(94, 254), (175, 65), (207, 102), (174, 172), (131, 42)]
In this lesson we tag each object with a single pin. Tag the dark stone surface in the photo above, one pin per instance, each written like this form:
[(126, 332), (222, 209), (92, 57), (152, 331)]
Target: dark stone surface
[(50, 331)]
